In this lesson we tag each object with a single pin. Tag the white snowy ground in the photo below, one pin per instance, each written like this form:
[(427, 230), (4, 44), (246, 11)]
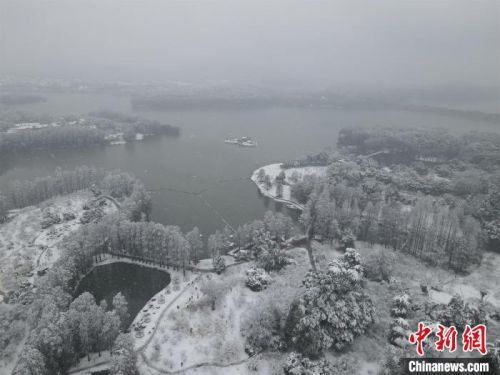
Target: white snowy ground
[(273, 170), (198, 340), (26, 248), (207, 264), (484, 278)]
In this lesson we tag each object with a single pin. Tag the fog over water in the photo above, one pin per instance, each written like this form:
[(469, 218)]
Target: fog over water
[(292, 43)]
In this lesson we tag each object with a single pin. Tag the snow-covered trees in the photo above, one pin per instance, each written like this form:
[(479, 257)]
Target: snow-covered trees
[(459, 313), (31, 362), (147, 241), (49, 218), (297, 364), (138, 207), (267, 182), (399, 332), (93, 327), (120, 306), (263, 325), (347, 239), (274, 226), (194, 239), (215, 243), (68, 136), (261, 174), (136, 202), (219, 264), (215, 246), (4, 208), (334, 308), (378, 265), (123, 360), (442, 219), (257, 279), (24, 193), (63, 332), (279, 226), (391, 364), (279, 189), (214, 290), (400, 306), (272, 257), (280, 181)]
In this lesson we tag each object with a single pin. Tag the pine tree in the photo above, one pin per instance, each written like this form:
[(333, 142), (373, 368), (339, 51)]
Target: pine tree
[(333, 309)]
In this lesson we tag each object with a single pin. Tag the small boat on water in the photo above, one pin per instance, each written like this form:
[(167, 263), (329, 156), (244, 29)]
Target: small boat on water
[(248, 144), (243, 141)]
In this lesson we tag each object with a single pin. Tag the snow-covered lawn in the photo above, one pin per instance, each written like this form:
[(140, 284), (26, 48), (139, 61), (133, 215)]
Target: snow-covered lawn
[(156, 309), (192, 334), (442, 283), (26, 248), (273, 170)]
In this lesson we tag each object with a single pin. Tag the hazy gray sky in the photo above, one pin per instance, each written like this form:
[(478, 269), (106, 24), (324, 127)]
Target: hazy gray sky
[(395, 42)]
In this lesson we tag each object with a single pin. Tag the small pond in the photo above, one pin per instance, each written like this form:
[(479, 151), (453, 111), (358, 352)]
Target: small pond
[(137, 283)]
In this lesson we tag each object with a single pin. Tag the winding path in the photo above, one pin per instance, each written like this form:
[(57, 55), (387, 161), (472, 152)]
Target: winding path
[(141, 349), (199, 365)]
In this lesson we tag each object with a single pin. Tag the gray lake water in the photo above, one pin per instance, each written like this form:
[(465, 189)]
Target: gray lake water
[(137, 283), (199, 160)]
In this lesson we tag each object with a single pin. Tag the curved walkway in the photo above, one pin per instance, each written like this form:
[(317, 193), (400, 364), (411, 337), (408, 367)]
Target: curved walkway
[(111, 199), (199, 365), (162, 314)]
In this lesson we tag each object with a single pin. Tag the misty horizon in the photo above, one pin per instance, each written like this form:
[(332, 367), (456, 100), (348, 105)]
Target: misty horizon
[(295, 44)]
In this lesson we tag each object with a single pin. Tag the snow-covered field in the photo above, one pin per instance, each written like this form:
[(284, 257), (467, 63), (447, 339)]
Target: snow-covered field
[(207, 264), (190, 335), (194, 338), (484, 278), (154, 311), (26, 248), (273, 170)]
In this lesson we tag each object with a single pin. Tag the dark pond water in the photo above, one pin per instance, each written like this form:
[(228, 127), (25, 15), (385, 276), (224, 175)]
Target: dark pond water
[(199, 161), (137, 283)]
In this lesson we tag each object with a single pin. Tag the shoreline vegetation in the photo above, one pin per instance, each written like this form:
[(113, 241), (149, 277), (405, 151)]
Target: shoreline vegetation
[(162, 102), (27, 133)]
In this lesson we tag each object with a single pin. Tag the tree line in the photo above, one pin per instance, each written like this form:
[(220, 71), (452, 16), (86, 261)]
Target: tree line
[(66, 133), (51, 138), (406, 145), (429, 229), (117, 235), (109, 120), (136, 201)]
